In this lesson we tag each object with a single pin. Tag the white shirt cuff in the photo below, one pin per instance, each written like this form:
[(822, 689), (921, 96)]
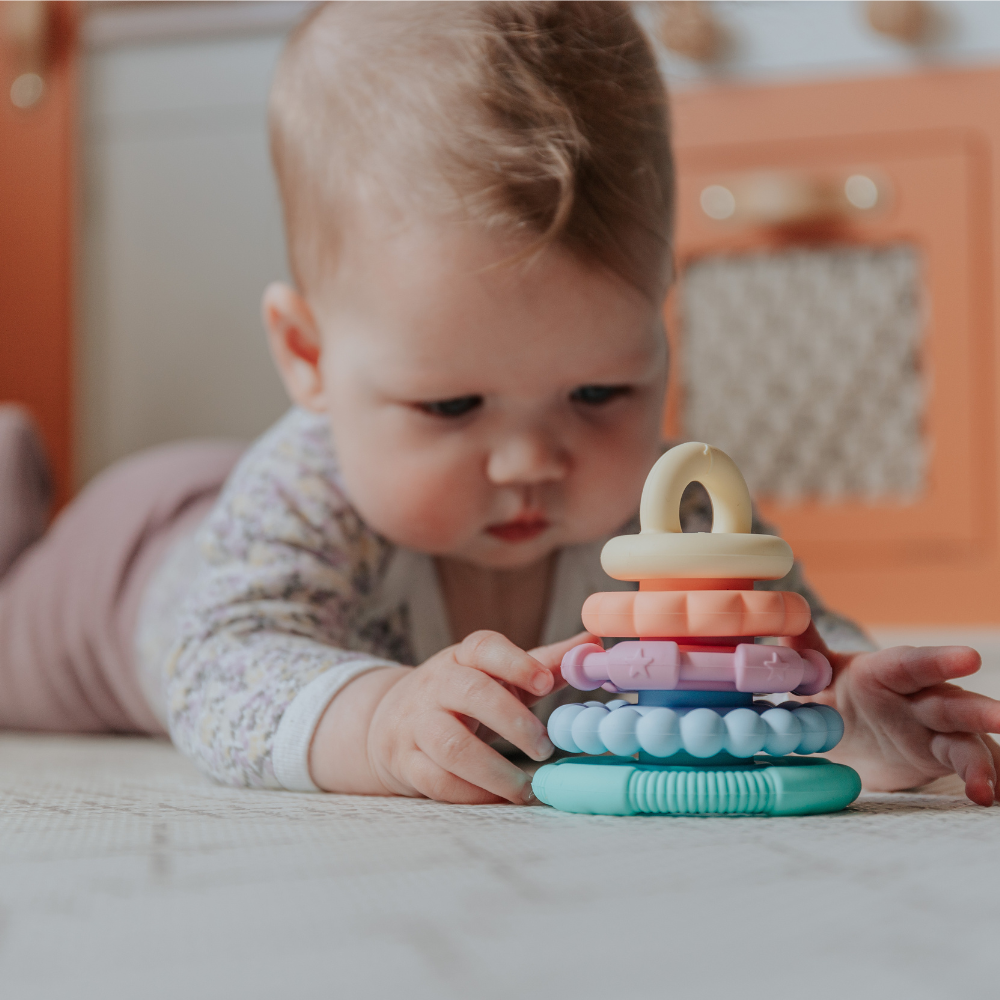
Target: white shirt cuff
[(290, 753)]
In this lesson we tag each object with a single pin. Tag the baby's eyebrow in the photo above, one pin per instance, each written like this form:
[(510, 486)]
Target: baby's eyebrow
[(418, 381)]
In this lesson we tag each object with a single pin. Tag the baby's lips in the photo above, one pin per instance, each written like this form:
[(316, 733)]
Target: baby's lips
[(520, 529)]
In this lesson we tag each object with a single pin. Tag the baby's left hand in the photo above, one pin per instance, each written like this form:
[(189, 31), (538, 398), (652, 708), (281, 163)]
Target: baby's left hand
[(904, 725)]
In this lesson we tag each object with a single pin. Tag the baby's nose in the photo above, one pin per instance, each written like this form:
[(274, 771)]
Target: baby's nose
[(526, 458)]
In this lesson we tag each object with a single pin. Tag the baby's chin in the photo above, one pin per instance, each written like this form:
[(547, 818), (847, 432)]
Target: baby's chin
[(490, 550), (491, 553), (507, 556)]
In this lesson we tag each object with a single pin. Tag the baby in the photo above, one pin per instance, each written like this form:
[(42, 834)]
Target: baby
[(478, 203)]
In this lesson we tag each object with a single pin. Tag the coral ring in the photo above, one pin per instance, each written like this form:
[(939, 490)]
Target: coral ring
[(702, 613)]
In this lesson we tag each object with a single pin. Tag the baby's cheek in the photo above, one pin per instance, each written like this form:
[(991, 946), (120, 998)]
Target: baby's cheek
[(607, 488), (420, 507)]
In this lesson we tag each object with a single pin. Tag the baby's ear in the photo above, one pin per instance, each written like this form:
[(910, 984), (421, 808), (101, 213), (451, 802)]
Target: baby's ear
[(294, 339)]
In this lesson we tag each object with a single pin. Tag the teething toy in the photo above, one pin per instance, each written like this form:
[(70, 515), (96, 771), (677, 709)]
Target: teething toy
[(696, 741)]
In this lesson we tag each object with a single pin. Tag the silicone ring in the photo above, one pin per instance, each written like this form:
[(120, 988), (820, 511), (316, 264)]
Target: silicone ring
[(661, 666), (701, 613), (662, 550), (624, 729), (617, 786)]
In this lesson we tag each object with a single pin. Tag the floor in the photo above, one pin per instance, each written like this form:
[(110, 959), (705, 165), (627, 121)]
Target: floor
[(124, 873)]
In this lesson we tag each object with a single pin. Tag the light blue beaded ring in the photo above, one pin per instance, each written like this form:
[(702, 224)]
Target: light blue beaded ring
[(624, 729)]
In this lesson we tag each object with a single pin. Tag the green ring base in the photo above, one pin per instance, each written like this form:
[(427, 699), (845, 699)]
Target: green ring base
[(768, 786)]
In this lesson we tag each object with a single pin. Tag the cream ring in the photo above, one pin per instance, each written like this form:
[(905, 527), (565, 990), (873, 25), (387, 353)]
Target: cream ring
[(701, 613), (697, 556), (661, 549)]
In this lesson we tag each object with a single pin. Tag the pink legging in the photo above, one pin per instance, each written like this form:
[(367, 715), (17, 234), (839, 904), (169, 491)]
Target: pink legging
[(69, 602)]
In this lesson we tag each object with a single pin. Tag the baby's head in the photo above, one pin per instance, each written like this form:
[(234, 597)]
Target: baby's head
[(478, 205)]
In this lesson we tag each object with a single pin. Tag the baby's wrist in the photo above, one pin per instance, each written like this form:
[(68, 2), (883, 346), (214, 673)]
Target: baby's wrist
[(338, 757)]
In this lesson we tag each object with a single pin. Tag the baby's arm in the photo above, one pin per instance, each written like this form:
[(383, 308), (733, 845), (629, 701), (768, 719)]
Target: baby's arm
[(279, 678), (275, 622), (904, 724), (414, 731)]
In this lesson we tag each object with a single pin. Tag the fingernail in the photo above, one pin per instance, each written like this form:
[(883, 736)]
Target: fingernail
[(529, 796), (545, 748), (541, 681)]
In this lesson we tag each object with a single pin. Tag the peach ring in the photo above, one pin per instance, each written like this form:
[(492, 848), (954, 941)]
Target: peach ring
[(702, 613)]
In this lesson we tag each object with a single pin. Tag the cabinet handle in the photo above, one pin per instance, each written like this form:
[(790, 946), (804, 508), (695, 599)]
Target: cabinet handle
[(689, 28), (26, 28), (775, 198), (906, 21)]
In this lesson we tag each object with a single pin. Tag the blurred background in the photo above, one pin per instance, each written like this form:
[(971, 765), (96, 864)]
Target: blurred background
[(834, 323)]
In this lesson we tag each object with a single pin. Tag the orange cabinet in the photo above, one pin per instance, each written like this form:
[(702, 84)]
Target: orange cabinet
[(921, 545), (36, 240)]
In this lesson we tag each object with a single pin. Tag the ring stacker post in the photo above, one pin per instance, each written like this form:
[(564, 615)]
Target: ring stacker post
[(696, 742)]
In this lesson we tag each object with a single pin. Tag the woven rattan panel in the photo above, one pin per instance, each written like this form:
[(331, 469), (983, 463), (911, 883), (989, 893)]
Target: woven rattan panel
[(803, 365)]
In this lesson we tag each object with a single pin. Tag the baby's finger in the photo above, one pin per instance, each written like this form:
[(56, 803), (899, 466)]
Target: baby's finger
[(497, 656), (908, 669), (452, 747), (551, 656), (810, 639), (436, 783), (472, 693), (991, 745), (946, 708), (968, 756)]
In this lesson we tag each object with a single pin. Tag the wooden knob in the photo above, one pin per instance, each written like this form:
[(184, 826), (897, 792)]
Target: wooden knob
[(24, 32), (782, 198), (688, 28), (904, 20)]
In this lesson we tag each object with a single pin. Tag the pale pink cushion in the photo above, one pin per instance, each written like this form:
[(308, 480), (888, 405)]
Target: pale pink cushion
[(69, 604)]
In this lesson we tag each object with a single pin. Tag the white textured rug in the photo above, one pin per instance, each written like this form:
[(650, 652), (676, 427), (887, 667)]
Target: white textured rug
[(123, 873)]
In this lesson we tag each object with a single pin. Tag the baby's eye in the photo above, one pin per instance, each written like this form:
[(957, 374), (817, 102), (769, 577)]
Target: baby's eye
[(457, 407), (597, 395)]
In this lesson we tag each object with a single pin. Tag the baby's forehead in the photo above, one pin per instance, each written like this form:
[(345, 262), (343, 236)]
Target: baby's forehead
[(450, 309)]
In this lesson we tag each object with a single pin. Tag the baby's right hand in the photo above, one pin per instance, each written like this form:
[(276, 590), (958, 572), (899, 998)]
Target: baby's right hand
[(422, 737)]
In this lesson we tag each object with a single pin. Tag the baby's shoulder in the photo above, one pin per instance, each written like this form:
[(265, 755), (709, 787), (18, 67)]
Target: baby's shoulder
[(288, 490)]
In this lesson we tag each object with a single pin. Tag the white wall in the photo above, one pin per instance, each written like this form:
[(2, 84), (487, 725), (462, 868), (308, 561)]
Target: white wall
[(181, 229)]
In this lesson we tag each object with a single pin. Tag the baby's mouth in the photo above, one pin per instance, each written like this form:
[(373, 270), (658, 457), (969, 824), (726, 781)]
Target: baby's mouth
[(520, 529)]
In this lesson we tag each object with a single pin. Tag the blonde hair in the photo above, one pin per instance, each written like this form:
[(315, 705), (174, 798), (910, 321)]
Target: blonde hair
[(542, 121)]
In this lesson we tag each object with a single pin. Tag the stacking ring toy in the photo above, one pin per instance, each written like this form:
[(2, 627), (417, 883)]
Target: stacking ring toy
[(662, 666), (695, 741), (624, 729), (696, 613), (661, 549)]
